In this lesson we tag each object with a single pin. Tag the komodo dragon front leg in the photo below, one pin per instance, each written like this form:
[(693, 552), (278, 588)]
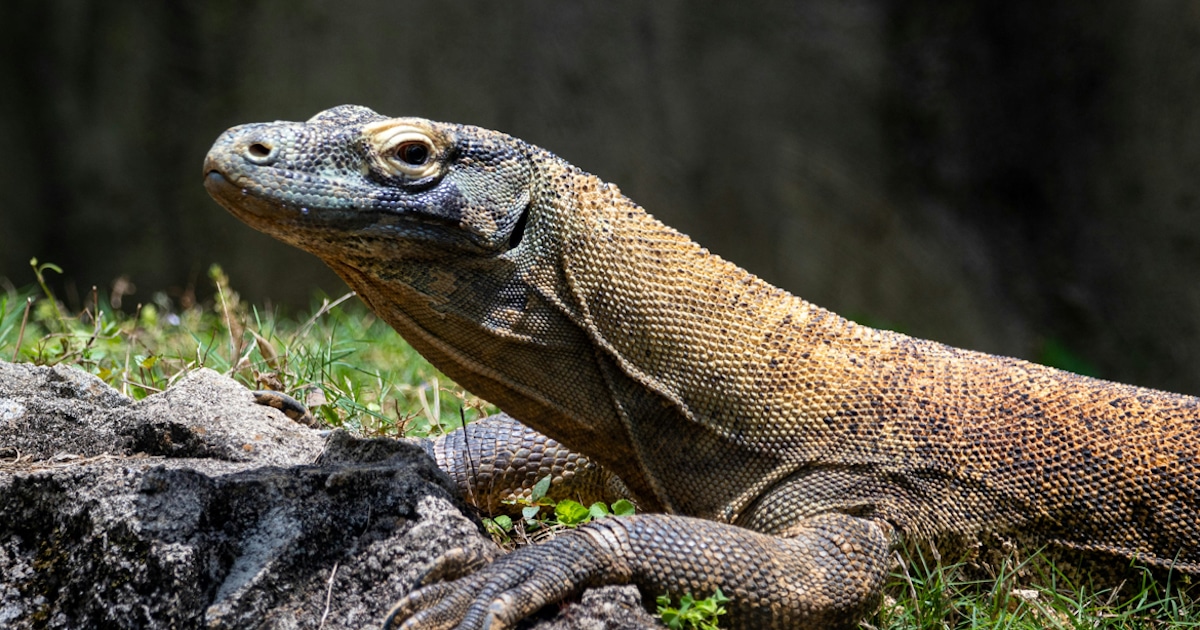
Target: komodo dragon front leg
[(825, 572), (778, 448)]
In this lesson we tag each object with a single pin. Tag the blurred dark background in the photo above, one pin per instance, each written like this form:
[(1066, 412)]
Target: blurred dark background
[(1016, 177)]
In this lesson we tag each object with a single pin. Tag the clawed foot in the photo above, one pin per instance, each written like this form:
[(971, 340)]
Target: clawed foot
[(503, 592)]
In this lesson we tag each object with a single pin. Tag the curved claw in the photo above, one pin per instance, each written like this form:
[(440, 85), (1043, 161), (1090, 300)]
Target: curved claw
[(458, 562), (455, 605), (413, 603), (503, 612)]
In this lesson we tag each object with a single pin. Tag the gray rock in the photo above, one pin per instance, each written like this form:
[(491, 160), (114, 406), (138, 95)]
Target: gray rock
[(197, 507)]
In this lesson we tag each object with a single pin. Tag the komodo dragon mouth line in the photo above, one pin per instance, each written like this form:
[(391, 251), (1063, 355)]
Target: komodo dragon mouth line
[(240, 199)]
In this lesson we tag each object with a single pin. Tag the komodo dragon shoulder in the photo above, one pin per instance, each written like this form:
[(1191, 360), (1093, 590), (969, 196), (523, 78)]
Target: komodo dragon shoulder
[(779, 450)]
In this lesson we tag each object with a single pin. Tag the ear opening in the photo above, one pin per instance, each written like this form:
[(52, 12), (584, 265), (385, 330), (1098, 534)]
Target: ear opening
[(518, 230)]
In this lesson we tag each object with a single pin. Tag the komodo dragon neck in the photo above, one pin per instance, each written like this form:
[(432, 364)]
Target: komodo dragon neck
[(709, 391), (630, 357)]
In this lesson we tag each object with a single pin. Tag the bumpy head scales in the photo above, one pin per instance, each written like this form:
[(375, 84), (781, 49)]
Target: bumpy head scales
[(350, 178)]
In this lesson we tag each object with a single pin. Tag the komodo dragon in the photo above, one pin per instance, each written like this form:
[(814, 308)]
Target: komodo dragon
[(779, 450)]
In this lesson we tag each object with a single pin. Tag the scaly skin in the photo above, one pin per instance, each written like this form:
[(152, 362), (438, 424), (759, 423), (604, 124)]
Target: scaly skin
[(497, 460), (785, 447)]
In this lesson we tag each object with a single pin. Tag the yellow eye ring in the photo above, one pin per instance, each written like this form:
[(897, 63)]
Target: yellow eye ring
[(403, 149)]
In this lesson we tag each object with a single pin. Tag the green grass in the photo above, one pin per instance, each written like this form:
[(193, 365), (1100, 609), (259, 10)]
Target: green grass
[(351, 368), (692, 613), (355, 372), (1024, 596)]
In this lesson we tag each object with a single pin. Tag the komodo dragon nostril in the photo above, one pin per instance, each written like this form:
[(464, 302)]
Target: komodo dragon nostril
[(261, 153)]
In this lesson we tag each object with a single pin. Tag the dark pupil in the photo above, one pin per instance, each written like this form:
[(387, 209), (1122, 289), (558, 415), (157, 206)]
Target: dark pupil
[(414, 153)]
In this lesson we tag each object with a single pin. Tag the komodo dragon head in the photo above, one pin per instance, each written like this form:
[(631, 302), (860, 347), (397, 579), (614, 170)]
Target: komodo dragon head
[(456, 236), (350, 182)]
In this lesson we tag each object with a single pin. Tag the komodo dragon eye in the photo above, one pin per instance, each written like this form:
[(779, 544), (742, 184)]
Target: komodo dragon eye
[(413, 153), (403, 149)]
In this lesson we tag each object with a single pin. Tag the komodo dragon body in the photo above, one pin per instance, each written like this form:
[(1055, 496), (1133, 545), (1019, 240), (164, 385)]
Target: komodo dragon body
[(781, 450)]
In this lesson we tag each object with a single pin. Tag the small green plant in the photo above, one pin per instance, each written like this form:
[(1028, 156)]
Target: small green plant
[(567, 513), (499, 527), (537, 500), (572, 513), (544, 516), (692, 613)]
